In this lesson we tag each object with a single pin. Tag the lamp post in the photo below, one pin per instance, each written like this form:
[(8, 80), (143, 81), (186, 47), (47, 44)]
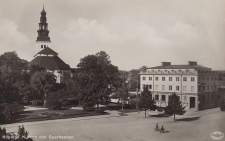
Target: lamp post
[(137, 96)]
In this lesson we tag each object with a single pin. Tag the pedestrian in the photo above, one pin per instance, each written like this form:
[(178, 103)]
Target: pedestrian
[(162, 129), (157, 127)]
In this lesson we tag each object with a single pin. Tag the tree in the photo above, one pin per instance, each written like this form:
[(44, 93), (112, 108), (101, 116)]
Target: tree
[(123, 95), (55, 100), (10, 72), (133, 78), (43, 83), (146, 100), (222, 105), (96, 76), (11, 67), (174, 106), (22, 135)]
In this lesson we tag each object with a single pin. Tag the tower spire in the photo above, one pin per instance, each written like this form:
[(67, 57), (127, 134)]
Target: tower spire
[(43, 40)]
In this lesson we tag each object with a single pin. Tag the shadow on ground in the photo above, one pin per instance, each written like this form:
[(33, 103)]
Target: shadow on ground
[(188, 119)]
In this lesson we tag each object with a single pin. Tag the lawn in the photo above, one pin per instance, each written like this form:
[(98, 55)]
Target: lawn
[(29, 116)]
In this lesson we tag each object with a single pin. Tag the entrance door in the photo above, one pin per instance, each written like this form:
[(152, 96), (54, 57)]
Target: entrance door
[(192, 102)]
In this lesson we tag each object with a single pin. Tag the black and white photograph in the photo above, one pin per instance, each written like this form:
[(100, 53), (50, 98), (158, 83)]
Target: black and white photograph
[(112, 70)]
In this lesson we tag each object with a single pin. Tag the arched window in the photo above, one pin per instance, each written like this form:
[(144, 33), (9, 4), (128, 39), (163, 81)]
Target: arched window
[(41, 46), (44, 46)]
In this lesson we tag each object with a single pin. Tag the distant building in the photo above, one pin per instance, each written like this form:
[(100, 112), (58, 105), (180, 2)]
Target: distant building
[(197, 86), (46, 57)]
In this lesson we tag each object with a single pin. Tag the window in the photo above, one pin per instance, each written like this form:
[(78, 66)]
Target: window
[(44, 46), (170, 87), (184, 88), (156, 78), (163, 87), (177, 79), (146, 86), (184, 78), (163, 78), (163, 98), (208, 78), (177, 88), (212, 78), (150, 86), (208, 88), (203, 88), (212, 87), (143, 78), (170, 78), (192, 88), (41, 46), (185, 98), (192, 79), (156, 97), (156, 87), (150, 78), (143, 86)]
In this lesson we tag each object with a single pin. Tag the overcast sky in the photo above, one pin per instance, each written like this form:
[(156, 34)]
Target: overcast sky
[(134, 33)]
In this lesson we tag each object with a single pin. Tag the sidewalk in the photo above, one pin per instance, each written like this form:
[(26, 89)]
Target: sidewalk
[(110, 115)]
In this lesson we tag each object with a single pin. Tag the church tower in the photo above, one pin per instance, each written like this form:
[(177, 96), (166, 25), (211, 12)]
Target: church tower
[(43, 40)]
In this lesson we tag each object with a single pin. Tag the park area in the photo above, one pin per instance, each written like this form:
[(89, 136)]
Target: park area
[(130, 127)]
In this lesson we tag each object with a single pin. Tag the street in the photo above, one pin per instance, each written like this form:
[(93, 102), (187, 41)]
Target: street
[(132, 127)]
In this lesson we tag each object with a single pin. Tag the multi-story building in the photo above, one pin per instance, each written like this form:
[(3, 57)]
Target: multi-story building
[(194, 84)]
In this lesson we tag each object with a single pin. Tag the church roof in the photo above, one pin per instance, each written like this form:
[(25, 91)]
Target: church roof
[(50, 63), (47, 51)]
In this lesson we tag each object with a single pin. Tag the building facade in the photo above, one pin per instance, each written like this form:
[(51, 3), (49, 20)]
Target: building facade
[(197, 86)]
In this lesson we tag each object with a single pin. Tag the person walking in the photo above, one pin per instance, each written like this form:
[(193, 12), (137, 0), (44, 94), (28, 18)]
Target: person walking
[(157, 127), (162, 129)]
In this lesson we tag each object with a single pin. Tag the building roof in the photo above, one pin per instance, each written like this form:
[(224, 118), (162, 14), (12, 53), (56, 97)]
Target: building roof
[(50, 63), (198, 67), (43, 38), (47, 51)]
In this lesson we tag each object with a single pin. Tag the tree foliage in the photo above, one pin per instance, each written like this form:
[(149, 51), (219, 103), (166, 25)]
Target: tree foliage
[(146, 100), (11, 67), (22, 135), (55, 100), (174, 106), (96, 76), (133, 78), (43, 83)]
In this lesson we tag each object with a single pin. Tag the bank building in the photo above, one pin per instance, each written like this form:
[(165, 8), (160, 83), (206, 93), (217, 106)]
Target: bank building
[(196, 85)]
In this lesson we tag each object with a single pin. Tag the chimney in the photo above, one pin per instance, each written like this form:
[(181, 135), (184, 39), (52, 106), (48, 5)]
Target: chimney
[(192, 63), (165, 63)]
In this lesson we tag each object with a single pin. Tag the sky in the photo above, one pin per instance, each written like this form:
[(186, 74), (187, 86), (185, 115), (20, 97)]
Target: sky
[(134, 33)]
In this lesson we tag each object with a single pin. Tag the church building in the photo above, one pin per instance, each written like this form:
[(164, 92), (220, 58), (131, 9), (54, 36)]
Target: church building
[(45, 56)]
